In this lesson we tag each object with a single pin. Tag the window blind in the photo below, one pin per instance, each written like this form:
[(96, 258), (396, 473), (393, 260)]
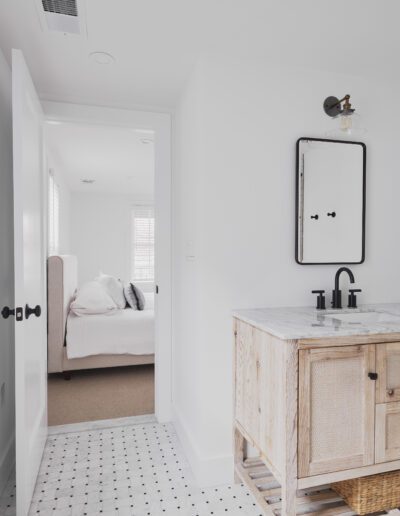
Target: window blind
[(54, 216), (142, 243)]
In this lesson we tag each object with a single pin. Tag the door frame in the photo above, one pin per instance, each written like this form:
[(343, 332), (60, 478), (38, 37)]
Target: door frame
[(160, 123)]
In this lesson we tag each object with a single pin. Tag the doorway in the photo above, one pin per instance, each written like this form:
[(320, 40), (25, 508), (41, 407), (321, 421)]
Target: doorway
[(155, 126), (100, 272)]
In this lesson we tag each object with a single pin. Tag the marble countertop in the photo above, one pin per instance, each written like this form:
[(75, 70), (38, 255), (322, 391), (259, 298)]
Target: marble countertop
[(308, 323)]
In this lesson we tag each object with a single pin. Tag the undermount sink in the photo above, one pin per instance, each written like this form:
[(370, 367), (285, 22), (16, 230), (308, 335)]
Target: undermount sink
[(365, 318)]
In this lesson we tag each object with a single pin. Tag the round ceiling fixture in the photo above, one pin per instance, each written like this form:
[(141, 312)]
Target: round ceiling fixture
[(102, 58)]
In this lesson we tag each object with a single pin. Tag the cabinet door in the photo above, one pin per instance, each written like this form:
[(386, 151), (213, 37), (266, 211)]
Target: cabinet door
[(336, 409), (387, 434), (247, 378), (388, 369)]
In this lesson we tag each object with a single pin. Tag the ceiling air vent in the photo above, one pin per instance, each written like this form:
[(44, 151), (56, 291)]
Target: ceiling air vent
[(67, 7), (61, 15)]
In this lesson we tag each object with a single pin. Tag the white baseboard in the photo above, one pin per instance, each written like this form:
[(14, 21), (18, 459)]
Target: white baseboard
[(7, 462), (101, 423), (208, 471)]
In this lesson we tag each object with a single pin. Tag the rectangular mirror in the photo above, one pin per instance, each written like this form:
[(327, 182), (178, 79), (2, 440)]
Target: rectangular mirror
[(330, 201)]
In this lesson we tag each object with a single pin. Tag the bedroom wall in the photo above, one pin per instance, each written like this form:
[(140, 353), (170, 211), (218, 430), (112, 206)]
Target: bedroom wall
[(100, 234), (7, 429), (233, 216)]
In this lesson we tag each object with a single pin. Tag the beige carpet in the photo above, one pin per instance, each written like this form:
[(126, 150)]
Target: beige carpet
[(101, 394)]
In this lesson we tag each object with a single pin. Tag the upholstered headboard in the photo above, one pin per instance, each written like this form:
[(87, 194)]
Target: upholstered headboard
[(62, 277)]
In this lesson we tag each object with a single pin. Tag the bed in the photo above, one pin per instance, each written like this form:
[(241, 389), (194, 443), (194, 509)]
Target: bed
[(92, 341)]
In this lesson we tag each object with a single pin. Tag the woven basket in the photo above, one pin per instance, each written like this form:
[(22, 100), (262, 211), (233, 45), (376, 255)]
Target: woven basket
[(371, 494)]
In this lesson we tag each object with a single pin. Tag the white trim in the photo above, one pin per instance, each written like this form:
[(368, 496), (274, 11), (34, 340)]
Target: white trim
[(102, 423), (160, 123), (207, 470)]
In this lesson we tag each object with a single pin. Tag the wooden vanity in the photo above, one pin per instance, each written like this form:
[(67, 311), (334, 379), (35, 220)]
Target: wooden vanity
[(317, 408)]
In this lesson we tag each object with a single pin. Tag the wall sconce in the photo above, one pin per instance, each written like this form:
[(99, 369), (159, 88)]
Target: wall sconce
[(343, 110)]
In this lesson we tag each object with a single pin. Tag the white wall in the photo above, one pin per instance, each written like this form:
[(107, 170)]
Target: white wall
[(100, 234), (7, 429), (233, 209)]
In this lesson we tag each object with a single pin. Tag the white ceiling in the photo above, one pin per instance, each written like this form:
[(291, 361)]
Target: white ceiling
[(116, 158), (156, 42)]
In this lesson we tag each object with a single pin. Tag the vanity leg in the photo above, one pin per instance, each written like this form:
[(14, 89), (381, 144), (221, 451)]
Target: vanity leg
[(239, 444), (289, 499), (289, 484)]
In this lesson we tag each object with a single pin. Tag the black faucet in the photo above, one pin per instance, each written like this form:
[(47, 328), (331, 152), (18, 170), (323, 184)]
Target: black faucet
[(337, 293)]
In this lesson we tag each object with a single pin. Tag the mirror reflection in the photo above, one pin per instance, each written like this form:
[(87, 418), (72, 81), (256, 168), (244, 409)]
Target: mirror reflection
[(330, 201)]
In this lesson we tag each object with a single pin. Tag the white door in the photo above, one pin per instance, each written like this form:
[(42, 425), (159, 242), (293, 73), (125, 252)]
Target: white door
[(30, 282)]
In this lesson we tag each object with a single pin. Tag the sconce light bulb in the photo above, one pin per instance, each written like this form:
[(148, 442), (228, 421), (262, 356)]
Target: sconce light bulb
[(346, 123)]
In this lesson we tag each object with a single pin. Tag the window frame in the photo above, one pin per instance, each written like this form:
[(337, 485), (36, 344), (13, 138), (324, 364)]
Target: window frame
[(53, 219)]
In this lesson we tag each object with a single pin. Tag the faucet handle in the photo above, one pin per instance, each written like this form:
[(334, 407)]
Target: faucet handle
[(353, 298), (320, 299)]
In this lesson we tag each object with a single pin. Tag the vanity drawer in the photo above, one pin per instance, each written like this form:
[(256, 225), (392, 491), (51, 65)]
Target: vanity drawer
[(387, 432), (388, 369)]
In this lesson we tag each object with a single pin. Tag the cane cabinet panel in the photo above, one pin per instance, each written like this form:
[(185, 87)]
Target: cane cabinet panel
[(336, 409)]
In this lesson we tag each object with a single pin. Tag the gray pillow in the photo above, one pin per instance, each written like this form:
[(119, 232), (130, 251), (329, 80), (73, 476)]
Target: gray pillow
[(134, 297)]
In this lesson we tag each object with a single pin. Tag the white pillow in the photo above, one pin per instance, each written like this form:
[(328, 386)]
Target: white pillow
[(114, 289), (92, 299)]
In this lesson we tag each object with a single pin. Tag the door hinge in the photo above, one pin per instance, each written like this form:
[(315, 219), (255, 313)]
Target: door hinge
[(373, 376), (156, 289)]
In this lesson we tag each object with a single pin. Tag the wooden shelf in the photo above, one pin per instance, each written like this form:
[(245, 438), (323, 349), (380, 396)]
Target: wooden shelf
[(315, 501)]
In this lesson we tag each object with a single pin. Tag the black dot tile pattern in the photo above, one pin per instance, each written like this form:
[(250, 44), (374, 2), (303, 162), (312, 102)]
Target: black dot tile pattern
[(133, 470)]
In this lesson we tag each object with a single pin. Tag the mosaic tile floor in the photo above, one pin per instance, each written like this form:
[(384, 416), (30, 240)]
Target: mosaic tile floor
[(7, 498), (132, 470)]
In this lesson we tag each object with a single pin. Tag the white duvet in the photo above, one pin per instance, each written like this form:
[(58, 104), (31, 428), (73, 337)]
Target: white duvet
[(123, 332)]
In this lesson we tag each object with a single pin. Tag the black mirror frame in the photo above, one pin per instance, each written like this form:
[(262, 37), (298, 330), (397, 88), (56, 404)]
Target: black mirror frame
[(297, 199)]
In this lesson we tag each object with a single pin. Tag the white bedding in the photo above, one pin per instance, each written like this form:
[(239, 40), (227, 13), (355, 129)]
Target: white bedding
[(124, 332)]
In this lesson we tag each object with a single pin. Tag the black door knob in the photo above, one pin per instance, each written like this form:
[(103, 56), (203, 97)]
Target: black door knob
[(32, 311), (7, 311)]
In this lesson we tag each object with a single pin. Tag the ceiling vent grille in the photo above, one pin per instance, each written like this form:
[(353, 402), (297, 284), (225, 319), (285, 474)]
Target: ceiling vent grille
[(65, 16), (66, 7)]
